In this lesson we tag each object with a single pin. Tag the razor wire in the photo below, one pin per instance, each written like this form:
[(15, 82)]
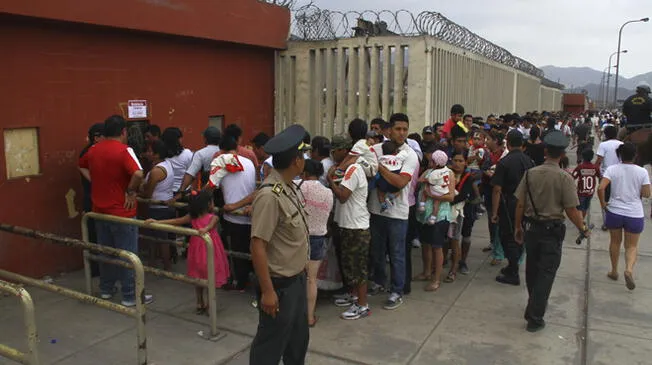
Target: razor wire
[(310, 23)]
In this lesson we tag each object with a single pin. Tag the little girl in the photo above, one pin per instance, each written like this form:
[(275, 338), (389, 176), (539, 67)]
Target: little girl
[(438, 184), (201, 218)]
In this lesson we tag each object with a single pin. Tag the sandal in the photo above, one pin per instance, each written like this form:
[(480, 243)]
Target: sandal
[(495, 262), (315, 319), (613, 276), (433, 286), (421, 277), (450, 277), (629, 280)]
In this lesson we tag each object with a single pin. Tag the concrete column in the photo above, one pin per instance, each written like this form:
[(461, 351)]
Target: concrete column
[(398, 79), (330, 92), (387, 56), (352, 87), (318, 92), (429, 86), (374, 83), (290, 89), (418, 78), (362, 82), (341, 90)]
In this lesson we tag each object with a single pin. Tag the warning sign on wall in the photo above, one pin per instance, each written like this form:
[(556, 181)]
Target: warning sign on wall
[(137, 109)]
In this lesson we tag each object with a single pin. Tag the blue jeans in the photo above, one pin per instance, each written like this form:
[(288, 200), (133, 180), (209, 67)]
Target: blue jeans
[(388, 235), (122, 237)]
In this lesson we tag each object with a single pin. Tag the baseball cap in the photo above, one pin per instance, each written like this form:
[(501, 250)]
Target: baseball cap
[(427, 130)]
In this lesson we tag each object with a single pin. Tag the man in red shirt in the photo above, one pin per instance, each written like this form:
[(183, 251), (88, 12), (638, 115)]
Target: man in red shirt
[(116, 175), (457, 111), (587, 174)]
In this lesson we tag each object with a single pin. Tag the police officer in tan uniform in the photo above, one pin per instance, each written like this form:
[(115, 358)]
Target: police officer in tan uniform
[(280, 252), (544, 194)]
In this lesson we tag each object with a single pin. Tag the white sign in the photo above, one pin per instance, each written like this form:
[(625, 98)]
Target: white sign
[(137, 109)]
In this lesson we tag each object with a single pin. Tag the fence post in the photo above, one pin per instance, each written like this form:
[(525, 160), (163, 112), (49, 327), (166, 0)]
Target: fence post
[(31, 357), (212, 295), (87, 262)]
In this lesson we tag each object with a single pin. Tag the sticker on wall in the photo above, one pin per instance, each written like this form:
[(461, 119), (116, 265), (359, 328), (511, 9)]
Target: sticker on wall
[(137, 109)]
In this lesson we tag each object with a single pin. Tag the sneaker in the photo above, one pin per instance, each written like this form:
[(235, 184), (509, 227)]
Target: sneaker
[(356, 312), (132, 303), (416, 243), (464, 269), (374, 289), (508, 279), (384, 206), (394, 301), (341, 295), (106, 296), (346, 301)]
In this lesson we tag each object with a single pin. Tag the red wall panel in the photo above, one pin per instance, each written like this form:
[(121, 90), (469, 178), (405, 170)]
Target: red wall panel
[(62, 78)]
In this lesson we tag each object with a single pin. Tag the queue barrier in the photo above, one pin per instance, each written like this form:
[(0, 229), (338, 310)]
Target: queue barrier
[(137, 312), (31, 356), (214, 334), (181, 205)]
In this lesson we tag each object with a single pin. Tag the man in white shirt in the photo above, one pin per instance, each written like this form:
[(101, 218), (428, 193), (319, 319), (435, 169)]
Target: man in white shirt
[(607, 156), (238, 191), (201, 160), (389, 228), (353, 225)]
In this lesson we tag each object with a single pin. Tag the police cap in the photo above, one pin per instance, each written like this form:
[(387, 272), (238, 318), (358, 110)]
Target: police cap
[(556, 139), (291, 138)]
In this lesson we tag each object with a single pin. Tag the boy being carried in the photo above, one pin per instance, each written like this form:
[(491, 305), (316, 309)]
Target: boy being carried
[(393, 160), (438, 181)]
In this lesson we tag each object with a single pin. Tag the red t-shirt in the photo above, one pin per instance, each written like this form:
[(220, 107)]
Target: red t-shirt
[(111, 164), (446, 129), (586, 174)]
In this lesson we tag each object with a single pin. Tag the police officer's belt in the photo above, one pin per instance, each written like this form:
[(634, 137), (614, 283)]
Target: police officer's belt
[(550, 223)]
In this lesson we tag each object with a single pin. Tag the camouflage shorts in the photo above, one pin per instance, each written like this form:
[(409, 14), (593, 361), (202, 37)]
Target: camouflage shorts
[(355, 254)]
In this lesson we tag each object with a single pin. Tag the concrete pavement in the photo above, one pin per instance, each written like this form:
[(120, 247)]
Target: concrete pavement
[(473, 321)]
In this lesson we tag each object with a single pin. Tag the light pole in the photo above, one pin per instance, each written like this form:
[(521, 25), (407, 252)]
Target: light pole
[(620, 34), (603, 91), (609, 71)]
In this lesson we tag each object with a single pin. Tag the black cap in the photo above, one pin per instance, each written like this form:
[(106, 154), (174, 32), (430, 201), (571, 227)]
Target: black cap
[(556, 139), (260, 139), (427, 130), (290, 138)]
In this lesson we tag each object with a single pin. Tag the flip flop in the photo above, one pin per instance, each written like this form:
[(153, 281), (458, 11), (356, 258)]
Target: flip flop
[(613, 276), (450, 277), (433, 286), (629, 281)]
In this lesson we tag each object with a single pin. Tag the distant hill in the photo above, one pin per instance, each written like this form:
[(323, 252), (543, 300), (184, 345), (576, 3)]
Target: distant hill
[(585, 78)]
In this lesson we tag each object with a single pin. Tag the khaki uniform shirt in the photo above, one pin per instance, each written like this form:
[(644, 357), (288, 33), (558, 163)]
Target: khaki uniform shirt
[(553, 190), (278, 218)]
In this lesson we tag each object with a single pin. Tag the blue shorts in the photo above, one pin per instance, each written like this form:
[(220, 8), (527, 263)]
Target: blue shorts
[(629, 224), (585, 203), (317, 248)]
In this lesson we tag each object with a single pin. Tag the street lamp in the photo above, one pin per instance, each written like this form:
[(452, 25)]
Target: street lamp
[(603, 84), (609, 72), (620, 33)]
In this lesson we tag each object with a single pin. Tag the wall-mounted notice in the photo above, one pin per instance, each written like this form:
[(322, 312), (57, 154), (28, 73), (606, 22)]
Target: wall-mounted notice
[(137, 109)]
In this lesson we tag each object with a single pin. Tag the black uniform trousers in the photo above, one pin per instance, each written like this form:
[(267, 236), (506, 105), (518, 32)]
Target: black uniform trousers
[(512, 250), (543, 242), (286, 336)]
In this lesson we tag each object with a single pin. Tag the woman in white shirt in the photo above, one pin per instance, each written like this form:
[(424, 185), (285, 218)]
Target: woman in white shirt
[(319, 203), (178, 156), (624, 211)]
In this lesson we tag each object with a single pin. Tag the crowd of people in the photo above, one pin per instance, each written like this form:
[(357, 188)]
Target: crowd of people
[(370, 195)]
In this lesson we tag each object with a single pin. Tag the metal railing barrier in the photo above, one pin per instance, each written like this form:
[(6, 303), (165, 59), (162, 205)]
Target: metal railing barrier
[(31, 356), (134, 263), (209, 284)]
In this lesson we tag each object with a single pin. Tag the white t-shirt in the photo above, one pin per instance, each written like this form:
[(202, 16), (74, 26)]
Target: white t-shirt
[(327, 163), (607, 150), (416, 147), (438, 181), (353, 214), (626, 183), (180, 164), (401, 208), (237, 186)]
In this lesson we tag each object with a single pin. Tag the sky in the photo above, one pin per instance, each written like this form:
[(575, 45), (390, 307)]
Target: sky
[(564, 33)]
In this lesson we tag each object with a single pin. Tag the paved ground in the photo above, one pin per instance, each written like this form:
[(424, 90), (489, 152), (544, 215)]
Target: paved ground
[(473, 321)]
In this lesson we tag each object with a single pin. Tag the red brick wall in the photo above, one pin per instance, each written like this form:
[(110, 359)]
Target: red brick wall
[(62, 78)]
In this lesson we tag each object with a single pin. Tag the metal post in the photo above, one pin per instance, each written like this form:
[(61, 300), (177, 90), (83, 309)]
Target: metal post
[(31, 356), (87, 264), (212, 298), (139, 276), (620, 34)]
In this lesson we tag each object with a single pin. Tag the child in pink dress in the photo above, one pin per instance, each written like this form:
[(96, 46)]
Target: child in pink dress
[(202, 219)]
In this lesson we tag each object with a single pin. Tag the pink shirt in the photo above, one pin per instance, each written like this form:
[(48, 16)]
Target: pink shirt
[(319, 203)]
